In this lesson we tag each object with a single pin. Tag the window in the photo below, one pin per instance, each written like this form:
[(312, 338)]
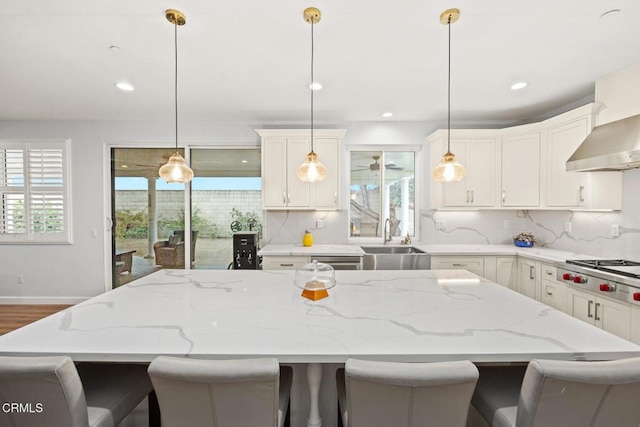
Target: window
[(382, 187), (34, 196)]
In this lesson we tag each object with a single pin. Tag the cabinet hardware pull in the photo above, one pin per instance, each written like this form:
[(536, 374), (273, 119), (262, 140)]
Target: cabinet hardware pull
[(531, 271), (589, 309), (471, 196), (459, 265), (582, 193), (335, 197), (286, 265), (549, 293), (504, 195), (289, 198), (597, 305), (549, 273), (284, 197), (467, 196)]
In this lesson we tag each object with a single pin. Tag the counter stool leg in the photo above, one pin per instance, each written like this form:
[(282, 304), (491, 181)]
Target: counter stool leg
[(154, 410)]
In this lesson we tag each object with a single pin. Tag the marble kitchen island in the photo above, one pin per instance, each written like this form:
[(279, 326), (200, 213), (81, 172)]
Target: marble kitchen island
[(380, 315)]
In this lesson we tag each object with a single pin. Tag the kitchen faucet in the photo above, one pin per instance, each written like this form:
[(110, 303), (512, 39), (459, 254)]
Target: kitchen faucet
[(384, 232)]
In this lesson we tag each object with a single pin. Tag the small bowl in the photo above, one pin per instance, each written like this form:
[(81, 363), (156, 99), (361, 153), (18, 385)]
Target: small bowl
[(522, 244)]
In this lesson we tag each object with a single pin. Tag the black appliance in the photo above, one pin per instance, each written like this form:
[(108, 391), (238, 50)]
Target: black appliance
[(245, 250), (618, 279)]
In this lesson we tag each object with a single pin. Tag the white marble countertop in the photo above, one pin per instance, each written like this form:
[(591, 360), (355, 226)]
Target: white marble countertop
[(538, 253), (314, 250), (384, 315)]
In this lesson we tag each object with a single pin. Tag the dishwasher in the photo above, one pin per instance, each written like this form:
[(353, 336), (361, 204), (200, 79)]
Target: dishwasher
[(341, 262)]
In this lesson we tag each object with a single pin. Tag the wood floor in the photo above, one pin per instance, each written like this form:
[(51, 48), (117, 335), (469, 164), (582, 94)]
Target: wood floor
[(14, 316)]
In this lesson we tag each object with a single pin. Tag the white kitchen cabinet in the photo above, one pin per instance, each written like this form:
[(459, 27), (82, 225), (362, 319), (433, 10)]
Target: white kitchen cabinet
[(520, 170), (471, 263), (478, 156), (635, 324), (288, 262), (501, 269), (552, 292), (588, 190), (529, 278), (612, 316), (283, 151)]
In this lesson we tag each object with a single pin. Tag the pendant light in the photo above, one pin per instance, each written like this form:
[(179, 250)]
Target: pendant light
[(176, 169), (312, 170), (449, 169)]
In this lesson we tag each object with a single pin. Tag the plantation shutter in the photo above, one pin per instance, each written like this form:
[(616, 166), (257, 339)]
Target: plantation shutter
[(33, 187), (12, 190)]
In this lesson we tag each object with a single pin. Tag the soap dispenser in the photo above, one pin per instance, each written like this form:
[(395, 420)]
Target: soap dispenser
[(307, 239)]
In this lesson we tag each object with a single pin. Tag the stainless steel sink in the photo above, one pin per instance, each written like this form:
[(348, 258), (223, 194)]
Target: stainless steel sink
[(395, 258)]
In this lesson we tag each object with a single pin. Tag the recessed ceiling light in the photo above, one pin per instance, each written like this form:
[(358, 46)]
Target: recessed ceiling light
[(245, 161), (124, 86), (387, 114), (315, 86), (519, 85)]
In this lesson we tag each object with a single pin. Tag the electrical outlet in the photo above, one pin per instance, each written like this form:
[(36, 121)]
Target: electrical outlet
[(615, 230), (441, 224), (20, 279), (507, 223), (320, 223), (567, 227)]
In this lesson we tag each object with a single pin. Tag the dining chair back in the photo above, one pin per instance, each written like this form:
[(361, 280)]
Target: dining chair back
[(221, 393), (382, 394)]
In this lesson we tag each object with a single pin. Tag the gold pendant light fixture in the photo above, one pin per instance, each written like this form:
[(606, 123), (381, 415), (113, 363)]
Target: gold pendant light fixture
[(312, 170), (176, 169), (449, 169)]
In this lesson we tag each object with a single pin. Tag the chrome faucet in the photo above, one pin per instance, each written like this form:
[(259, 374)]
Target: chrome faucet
[(384, 232)]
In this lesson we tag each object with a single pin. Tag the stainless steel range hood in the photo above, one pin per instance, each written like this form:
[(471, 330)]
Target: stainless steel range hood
[(610, 147)]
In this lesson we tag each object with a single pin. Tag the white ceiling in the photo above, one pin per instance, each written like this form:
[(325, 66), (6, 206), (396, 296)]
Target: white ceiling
[(248, 60)]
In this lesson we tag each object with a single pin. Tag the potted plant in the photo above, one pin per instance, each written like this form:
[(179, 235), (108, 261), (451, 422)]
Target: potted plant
[(524, 240)]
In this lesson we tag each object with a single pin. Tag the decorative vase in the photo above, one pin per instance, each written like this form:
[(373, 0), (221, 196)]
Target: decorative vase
[(523, 244)]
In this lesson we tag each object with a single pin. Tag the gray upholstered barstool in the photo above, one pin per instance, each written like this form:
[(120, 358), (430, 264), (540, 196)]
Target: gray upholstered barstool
[(383, 394), (50, 391), (560, 393), (221, 393)]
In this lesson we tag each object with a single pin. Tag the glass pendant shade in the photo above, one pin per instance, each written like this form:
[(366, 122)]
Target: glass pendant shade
[(176, 170), (448, 169), (312, 170)]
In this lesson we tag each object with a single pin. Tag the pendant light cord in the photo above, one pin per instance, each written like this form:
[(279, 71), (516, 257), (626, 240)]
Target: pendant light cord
[(449, 92), (175, 38), (311, 85)]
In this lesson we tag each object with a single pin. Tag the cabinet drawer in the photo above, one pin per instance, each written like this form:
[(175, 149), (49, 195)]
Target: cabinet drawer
[(548, 272), (553, 293), (283, 262), (472, 264)]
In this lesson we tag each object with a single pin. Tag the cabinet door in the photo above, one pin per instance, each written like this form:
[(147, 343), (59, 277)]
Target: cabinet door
[(481, 154), (528, 278), (521, 170), (635, 324), (613, 316), (565, 188), (274, 172), (326, 191), (553, 294), (455, 192), (580, 305), (298, 192), (507, 272)]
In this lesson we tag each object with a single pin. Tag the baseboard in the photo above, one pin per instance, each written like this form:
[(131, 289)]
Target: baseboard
[(43, 300)]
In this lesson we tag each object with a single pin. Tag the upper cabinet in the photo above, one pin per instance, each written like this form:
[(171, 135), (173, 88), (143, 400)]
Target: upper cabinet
[(283, 151), (520, 166), (478, 155), (531, 168)]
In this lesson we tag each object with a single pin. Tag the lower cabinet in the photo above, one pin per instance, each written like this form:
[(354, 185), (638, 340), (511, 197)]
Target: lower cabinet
[(474, 264), (552, 292), (284, 262), (529, 278), (612, 316)]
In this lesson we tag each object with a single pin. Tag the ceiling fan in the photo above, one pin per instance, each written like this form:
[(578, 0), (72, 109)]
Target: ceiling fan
[(375, 166)]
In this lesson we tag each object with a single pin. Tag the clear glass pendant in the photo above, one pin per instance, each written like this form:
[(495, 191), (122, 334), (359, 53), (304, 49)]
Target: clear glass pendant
[(312, 170), (176, 170), (448, 169)]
